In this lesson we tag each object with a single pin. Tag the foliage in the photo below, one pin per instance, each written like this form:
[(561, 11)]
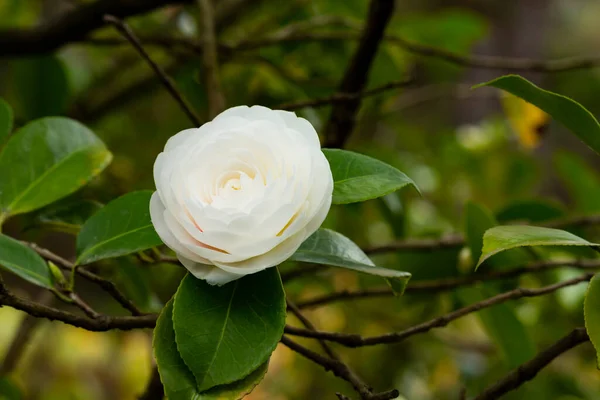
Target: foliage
[(480, 270)]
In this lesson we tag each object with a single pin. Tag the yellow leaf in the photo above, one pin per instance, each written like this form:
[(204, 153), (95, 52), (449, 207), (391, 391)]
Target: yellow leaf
[(528, 121)]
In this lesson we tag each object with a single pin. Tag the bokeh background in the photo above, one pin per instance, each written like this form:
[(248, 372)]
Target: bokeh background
[(459, 145)]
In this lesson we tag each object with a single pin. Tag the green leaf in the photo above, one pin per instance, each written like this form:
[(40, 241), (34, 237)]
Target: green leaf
[(65, 216), (500, 321), (332, 248), (581, 181), (41, 86), (507, 237), (122, 227), (503, 326), (530, 211), (46, 160), (236, 390), (9, 390), (224, 333), (6, 120), (568, 112), (178, 380), (24, 262), (591, 312), (358, 177)]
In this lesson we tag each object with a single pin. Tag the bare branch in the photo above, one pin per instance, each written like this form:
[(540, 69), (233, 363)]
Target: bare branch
[(342, 119), (345, 97), (216, 99), (73, 26), (527, 371), (105, 284), (308, 325), (340, 370), (124, 29), (354, 340), (100, 324), (440, 285)]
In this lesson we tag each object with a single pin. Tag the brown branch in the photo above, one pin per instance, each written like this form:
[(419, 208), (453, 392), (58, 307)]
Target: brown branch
[(126, 31), (216, 99), (340, 370), (355, 340), (439, 285), (308, 325), (105, 284), (99, 324), (446, 242), (342, 119), (73, 26), (457, 240), (83, 306), (345, 97), (527, 371)]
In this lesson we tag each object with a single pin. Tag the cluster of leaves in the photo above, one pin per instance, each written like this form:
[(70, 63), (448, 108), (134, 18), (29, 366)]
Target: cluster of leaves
[(225, 335)]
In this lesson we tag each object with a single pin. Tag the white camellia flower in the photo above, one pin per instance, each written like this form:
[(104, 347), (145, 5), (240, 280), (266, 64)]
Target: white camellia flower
[(241, 193)]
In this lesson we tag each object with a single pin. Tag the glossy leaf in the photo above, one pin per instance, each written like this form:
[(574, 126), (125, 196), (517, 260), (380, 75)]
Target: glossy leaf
[(46, 160), (178, 380), (41, 86), (24, 262), (332, 248), (507, 237), (67, 217), (500, 321), (6, 120), (358, 177), (568, 112), (224, 333), (122, 227), (591, 308)]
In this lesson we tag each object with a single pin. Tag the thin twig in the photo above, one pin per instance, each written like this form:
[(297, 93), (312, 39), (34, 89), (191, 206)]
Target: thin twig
[(83, 306), (343, 115), (126, 31), (355, 340), (210, 64), (100, 324), (105, 284), (527, 371), (340, 370), (439, 285), (426, 245), (345, 97), (307, 324)]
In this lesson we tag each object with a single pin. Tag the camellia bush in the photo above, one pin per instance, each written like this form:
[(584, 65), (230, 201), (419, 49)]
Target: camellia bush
[(242, 217)]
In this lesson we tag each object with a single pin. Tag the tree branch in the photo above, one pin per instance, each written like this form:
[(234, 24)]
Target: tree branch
[(527, 371), (340, 370), (124, 29), (439, 285), (345, 97), (342, 119), (216, 99), (105, 284), (73, 26), (457, 240), (355, 340)]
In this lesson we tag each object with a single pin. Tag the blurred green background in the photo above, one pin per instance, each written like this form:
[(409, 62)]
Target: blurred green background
[(459, 146)]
